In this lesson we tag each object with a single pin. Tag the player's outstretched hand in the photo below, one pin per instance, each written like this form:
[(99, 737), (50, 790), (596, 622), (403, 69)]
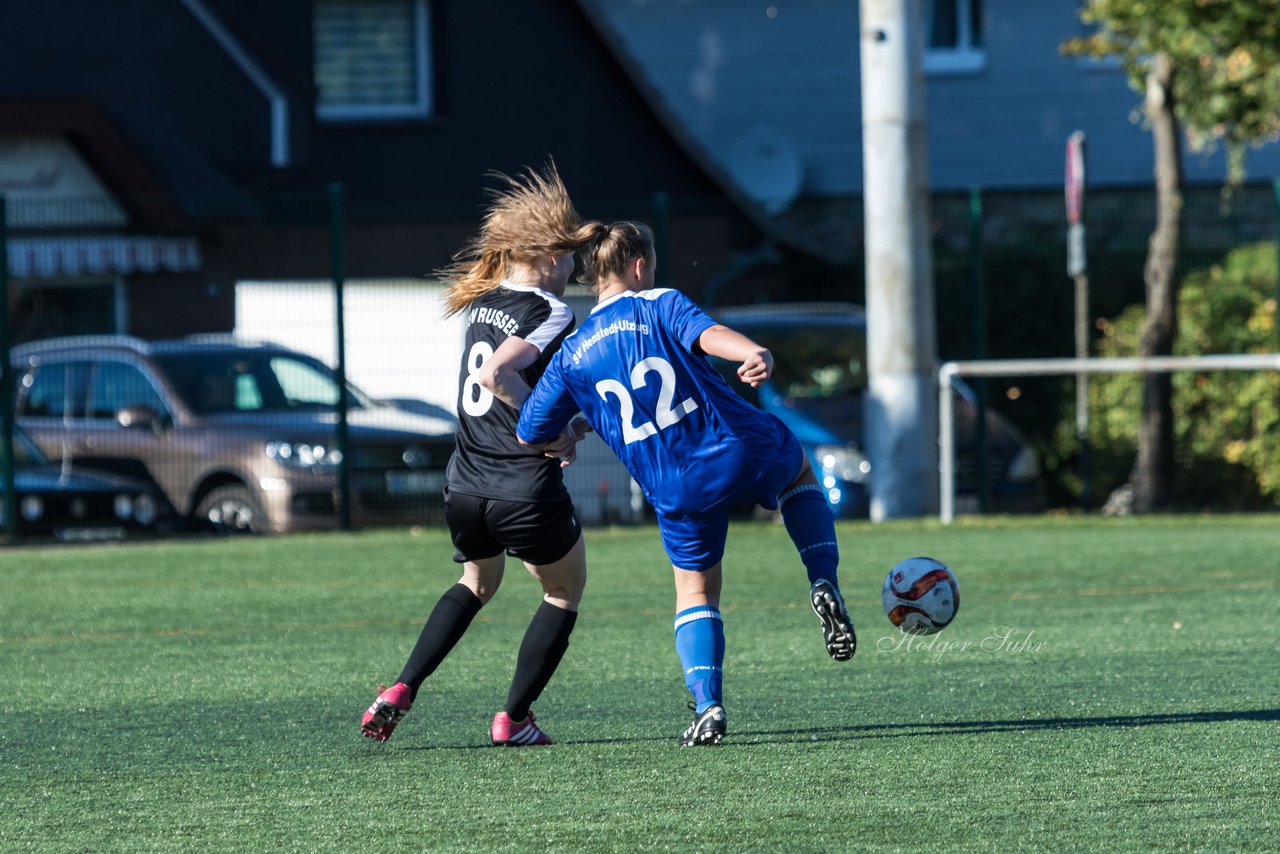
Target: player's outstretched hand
[(563, 447), (757, 368)]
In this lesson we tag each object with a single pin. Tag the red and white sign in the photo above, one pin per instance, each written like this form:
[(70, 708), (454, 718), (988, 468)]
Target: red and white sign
[(1073, 181), (1074, 177)]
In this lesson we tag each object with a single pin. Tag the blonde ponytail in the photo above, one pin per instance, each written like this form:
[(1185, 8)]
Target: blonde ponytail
[(612, 248), (530, 217)]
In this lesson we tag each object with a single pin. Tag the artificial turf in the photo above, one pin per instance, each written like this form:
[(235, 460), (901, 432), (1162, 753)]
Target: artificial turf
[(1108, 684)]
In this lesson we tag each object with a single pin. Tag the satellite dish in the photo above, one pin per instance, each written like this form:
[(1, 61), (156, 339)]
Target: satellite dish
[(766, 164)]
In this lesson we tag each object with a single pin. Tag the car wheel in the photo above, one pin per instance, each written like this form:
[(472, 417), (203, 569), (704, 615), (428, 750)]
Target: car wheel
[(232, 509)]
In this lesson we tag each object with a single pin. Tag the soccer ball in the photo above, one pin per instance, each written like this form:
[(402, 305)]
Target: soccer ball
[(920, 596)]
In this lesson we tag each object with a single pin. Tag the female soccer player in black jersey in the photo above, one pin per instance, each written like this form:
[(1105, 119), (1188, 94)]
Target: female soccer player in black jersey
[(503, 497)]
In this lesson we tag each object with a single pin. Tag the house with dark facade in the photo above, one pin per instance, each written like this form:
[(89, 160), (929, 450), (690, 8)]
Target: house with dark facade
[(153, 155)]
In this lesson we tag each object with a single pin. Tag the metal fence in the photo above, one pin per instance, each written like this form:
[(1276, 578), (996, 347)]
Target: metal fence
[(247, 436)]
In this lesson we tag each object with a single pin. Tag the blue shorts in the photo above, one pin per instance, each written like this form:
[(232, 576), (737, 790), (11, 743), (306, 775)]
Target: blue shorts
[(696, 541)]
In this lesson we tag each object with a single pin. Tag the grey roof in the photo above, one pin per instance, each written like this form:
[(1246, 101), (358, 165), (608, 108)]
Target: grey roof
[(768, 94)]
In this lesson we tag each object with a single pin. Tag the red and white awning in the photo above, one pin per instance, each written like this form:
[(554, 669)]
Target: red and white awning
[(55, 257)]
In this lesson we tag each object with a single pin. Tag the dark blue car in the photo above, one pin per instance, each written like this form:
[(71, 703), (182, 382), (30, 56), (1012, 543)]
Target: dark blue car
[(75, 503), (817, 389)]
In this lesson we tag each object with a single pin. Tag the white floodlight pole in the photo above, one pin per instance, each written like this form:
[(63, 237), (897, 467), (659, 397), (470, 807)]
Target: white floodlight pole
[(901, 330)]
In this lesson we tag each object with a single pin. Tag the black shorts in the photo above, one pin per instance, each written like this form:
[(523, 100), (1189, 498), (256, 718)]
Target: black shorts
[(536, 532)]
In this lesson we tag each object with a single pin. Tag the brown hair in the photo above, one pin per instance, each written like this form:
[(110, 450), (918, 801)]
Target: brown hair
[(612, 248), (530, 217)]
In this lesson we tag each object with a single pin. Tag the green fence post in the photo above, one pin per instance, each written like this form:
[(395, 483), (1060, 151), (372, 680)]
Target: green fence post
[(6, 385), (978, 283), (337, 257)]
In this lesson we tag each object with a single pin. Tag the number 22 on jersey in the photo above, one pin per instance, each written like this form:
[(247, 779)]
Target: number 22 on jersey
[(664, 414)]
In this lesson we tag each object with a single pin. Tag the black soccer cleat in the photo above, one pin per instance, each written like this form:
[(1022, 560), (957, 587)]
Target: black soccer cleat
[(837, 628), (707, 728)]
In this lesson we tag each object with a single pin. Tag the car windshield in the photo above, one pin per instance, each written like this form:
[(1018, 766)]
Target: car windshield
[(815, 361), (217, 382)]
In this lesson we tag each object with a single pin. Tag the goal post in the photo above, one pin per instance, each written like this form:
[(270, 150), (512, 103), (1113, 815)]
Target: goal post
[(949, 371)]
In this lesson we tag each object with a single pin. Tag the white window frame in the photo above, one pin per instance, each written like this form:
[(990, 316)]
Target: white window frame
[(422, 106), (965, 57)]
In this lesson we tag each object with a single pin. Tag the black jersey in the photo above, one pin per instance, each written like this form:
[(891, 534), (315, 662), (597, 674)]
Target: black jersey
[(488, 460)]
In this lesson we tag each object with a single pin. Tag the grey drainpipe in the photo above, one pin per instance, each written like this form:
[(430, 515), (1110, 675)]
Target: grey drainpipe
[(279, 104)]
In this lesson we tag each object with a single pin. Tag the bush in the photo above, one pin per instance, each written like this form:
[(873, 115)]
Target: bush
[(1226, 423)]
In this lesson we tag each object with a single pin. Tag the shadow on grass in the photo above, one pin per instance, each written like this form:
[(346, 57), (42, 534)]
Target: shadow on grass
[(935, 728), (920, 728), (634, 739), (100, 736)]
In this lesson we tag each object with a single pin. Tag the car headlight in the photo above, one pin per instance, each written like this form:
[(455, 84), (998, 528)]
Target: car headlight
[(841, 462), (123, 506), (32, 508), (145, 510), (1024, 466), (303, 455)]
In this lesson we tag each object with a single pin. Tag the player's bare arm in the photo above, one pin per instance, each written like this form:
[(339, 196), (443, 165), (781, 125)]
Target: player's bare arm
[(725, 343), (501, 374)]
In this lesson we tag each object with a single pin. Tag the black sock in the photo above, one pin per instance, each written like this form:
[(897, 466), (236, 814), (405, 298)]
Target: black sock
[(543, 646), (446, 625)]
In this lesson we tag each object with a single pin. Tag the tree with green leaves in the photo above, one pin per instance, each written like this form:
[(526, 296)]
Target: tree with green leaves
[(1209, 69)]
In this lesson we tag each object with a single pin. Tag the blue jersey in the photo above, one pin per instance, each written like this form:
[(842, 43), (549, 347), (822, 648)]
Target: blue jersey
[(634, 370)]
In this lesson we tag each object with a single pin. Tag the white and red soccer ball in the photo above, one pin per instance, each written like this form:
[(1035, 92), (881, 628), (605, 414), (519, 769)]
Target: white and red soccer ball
[(920, 596)]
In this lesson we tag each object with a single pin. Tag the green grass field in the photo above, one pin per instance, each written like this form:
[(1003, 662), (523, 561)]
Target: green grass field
[(206, 695)]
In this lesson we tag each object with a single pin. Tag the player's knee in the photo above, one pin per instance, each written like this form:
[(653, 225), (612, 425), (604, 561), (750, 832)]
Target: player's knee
[(806, 477), (564, 591), (564, 580), (483, 588), (811, 525), (564, 595)]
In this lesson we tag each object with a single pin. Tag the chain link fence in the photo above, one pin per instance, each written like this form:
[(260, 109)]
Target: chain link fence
[(238, 423)]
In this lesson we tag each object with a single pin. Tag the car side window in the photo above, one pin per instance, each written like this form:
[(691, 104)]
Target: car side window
[(303, 385), (248, 393), (44, 393), (818, 362), (115, 385), (52, 389)]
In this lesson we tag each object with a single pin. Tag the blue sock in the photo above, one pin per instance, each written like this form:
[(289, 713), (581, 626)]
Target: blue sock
[(812, 527), (700, 645)]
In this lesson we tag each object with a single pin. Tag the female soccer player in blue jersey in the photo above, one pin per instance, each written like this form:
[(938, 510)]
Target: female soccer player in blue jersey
[(637, 369), (501, 497)]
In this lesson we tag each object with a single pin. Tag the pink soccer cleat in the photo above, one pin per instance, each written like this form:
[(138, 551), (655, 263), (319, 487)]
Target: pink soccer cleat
[(511, 734), (387, 711)]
